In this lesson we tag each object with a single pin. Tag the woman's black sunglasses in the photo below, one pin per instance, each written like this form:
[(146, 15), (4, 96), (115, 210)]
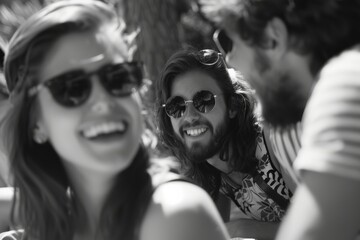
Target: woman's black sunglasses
[(71, 89), (222, 41), (203, 101)]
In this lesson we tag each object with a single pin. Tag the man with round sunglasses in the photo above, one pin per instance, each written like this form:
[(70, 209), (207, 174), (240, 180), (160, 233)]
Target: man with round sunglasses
[(302, 58), (206, 118)]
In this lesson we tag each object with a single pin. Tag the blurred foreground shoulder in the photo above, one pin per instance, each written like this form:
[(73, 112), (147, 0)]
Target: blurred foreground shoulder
[(12, 235), (180, 210)]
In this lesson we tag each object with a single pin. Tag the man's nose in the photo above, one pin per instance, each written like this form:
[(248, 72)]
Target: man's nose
[(190, 114)]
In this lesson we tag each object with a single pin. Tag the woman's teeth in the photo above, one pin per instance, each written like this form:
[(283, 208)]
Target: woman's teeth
[(195, 132), (103, 129)]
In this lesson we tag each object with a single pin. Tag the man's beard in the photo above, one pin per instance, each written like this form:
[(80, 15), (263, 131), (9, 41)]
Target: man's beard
[(285, 107), (199, 152), (280, 94)]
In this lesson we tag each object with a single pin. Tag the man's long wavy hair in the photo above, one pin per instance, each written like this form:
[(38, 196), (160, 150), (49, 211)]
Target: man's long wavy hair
[(242, 131), (320, 29), (46, 208)]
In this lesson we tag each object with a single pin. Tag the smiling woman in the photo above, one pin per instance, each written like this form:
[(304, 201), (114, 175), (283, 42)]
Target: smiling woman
[(74, 137)]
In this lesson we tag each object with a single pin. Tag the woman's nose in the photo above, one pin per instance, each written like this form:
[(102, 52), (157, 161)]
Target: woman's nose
[(100, 99)]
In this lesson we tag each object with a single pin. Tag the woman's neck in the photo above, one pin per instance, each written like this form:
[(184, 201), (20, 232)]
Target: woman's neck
[(91, 189)]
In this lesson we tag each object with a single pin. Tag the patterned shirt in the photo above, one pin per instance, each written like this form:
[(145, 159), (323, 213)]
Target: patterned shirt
[(263, 197)]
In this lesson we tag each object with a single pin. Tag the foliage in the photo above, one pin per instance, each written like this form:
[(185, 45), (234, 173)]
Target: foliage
[(13, 13), (197, 30)]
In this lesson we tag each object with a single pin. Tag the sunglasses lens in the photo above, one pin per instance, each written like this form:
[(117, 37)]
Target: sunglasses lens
[(71, 89), (121, 79), (223, 42), (204, 101), (208, 56), (175, 107)]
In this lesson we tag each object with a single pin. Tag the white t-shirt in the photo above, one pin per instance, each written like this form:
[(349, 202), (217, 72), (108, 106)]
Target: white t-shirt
[(331, 121), (285, 143)]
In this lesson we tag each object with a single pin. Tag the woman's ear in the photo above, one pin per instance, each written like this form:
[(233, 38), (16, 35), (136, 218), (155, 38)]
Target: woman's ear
[(39, 134), (232, 108), (232, 113)]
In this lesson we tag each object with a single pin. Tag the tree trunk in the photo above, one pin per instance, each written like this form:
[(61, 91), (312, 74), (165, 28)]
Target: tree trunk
[(159, 36), (158, 39)]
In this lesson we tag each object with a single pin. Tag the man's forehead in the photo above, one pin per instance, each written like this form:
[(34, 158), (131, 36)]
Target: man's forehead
[(190, 82)]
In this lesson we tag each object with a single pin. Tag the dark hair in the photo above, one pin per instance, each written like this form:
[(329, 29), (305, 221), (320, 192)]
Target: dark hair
[(4, 94), (1, 58), (46, 208), (318, 28), (242, 130)]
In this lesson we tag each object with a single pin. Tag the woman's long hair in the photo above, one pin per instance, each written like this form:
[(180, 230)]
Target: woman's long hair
[(239, 143), (45, 208)]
